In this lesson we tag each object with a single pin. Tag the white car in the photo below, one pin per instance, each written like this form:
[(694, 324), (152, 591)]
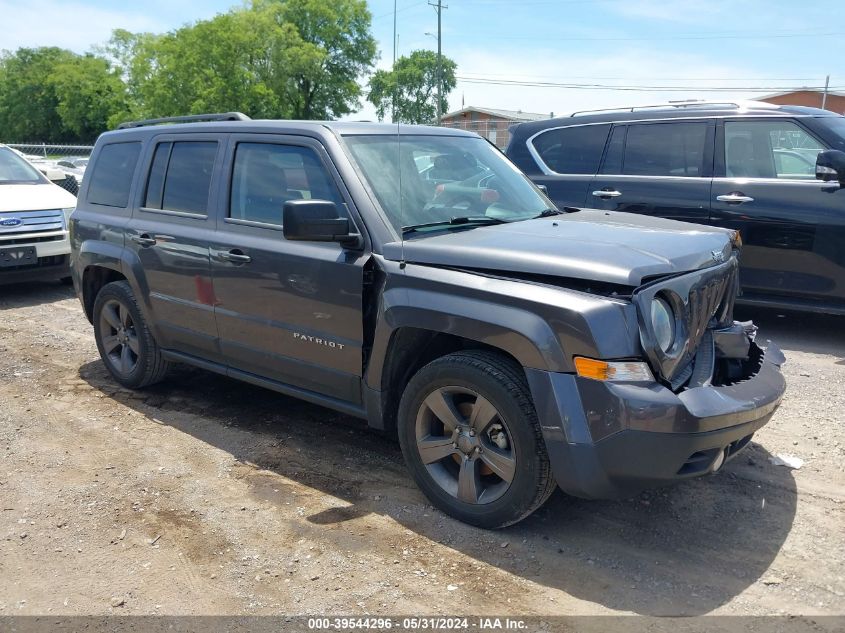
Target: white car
[(34, 216)]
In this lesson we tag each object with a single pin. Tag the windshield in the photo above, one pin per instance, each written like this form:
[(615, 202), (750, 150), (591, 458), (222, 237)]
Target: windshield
[(15, 170), (443, 178), (837, 124)]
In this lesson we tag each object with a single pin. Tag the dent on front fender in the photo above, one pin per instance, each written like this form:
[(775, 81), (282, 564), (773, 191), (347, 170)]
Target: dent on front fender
[(541, 326)]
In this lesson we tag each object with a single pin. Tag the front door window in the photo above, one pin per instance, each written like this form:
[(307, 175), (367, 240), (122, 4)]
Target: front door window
[(770, 149)]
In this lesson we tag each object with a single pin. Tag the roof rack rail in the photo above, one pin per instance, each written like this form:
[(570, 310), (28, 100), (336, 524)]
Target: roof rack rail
[(692, 103), (190, 118)]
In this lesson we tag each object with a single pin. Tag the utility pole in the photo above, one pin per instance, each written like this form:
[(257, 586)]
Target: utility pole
[(824, 94), (439, 6)]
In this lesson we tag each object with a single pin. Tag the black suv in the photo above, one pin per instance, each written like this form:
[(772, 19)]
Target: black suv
[(748, 166), (508, 345)]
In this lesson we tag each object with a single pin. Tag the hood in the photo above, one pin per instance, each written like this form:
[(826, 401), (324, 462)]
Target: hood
[(34, 197), (605, 246)]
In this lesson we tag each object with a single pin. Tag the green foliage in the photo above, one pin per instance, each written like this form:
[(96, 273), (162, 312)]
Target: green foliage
[(412, 87), (299, 59), (90, 96), (276, 59), (335, 48), (53, 94)]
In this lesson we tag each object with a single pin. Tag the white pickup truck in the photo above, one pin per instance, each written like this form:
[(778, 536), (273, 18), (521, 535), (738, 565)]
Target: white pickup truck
[(34, 216)]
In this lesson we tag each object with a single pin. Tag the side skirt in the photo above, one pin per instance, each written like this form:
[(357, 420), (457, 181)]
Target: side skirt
[(288, 390)]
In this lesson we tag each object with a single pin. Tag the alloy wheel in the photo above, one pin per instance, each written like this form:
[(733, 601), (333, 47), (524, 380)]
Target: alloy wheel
[(465, 445), (119, 337)]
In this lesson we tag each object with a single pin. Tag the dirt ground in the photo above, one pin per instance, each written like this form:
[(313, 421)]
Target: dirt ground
[(203, 495)]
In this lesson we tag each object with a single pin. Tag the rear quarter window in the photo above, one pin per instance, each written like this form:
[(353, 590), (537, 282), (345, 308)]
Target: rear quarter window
[(572, 150), (111, 176)]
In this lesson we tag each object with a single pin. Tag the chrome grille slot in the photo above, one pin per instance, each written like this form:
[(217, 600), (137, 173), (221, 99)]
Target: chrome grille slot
[(31, 222), (704, 301)]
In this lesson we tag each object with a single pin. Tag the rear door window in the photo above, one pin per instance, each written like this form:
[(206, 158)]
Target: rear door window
[(666, 149), (572, 150), (266, 175), (111, 176), (180, 176)]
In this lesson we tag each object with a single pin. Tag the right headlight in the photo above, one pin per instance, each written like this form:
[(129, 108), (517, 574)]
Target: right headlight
[(663, 323)]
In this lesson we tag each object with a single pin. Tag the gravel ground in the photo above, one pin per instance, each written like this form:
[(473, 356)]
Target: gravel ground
[(203, 495)]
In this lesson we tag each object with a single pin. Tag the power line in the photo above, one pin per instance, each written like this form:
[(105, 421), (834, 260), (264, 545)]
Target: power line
[(405, 8), (687, 78), (689, 37), (637, 88)]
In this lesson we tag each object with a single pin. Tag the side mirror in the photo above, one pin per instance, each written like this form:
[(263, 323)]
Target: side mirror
[(317, 221), (543, 188), (830, 165)]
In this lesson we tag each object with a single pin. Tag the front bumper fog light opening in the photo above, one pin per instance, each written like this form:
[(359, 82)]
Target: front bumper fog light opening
[(719, 460), (613, 371)]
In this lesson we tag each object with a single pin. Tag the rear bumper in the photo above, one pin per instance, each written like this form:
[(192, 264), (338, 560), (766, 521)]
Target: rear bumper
[(608, 440)]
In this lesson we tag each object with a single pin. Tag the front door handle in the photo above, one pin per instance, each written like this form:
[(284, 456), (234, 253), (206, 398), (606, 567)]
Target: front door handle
[(144, 239), (607, 193), (734, 198), (236, 256)]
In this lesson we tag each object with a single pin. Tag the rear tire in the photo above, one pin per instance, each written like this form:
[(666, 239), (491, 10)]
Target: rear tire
[(124, 341), (470, 436)]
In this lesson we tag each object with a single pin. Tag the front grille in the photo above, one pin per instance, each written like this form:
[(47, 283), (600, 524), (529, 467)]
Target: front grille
[(702, 299), (31, 221), (31, 239)]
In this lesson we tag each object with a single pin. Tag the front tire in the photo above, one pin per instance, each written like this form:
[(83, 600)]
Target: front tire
[(470, 436), (124, 341)]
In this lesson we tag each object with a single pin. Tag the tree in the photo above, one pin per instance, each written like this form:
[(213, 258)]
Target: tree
[(275, 59), (28, 102), (51, 94), (412, 86), (91, 96), (336, 50)]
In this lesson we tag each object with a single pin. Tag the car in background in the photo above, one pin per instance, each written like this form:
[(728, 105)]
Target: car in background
[(34, 217), (73, 165), (66, 177), (749, 166)]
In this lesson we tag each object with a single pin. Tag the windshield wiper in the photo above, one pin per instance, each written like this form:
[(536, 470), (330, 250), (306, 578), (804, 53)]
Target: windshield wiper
[(458, 221), (547, 213)]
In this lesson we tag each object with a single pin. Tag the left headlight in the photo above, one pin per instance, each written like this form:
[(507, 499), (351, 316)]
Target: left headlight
[(663, 323), (66, 213)]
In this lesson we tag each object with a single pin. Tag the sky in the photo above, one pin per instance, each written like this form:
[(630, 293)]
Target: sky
[(685, 45)]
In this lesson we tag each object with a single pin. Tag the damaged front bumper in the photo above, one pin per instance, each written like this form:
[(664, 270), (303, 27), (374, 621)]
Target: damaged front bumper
[(607, 439)]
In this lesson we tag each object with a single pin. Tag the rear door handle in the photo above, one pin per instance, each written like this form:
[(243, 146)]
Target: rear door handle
[(236, 256), (144, 239), (734, 198), (607, 193)]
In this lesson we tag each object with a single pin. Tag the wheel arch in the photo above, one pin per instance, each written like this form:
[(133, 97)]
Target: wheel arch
[(408, 337), (98, 263)]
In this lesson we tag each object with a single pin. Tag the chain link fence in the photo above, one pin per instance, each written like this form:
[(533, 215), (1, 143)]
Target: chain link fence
[(52, 152), (70, 160)]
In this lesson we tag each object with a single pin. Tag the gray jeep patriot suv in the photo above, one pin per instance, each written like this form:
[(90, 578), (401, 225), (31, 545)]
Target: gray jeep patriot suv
[(414, 277)]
